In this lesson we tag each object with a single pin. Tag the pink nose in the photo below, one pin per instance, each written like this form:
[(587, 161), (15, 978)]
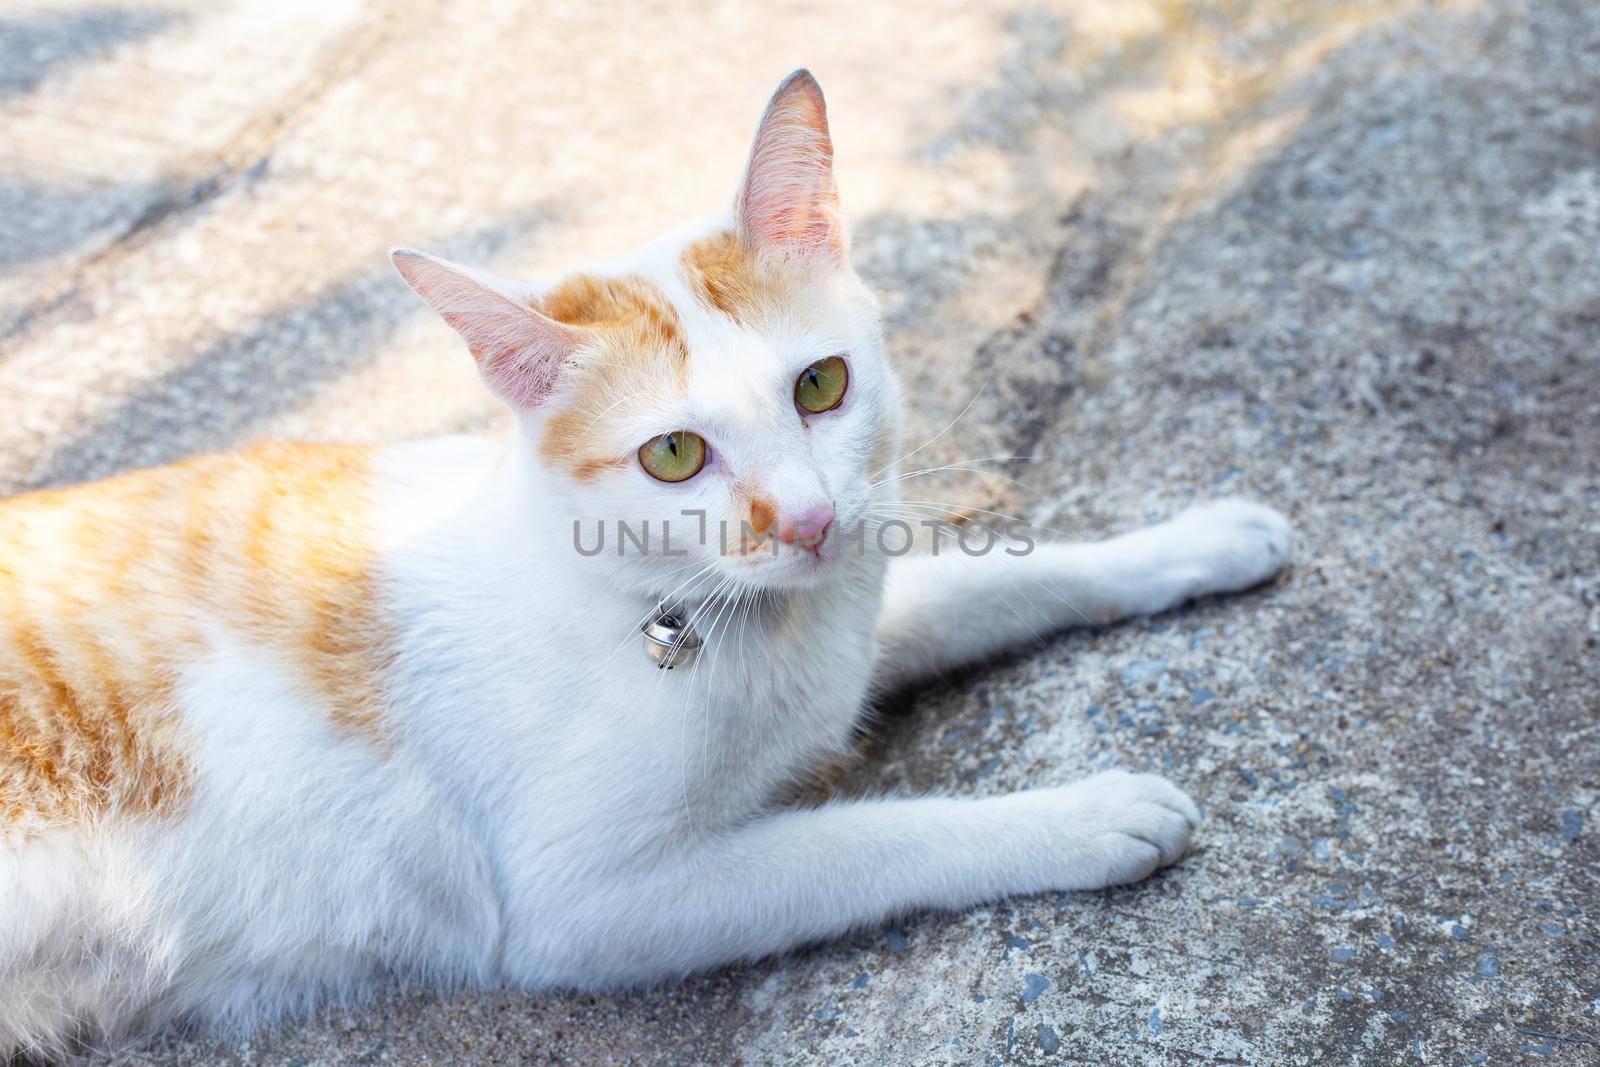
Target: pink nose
[(806, 528)]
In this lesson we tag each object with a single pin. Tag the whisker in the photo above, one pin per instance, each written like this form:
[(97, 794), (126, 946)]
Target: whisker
[(1098, 627), (938, 435), (683, 742), (960, 465), (962, 510), (713, 639), (697, 577)]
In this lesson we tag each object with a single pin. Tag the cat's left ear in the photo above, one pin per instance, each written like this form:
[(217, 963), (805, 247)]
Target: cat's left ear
[(788, 202), (520, 352)]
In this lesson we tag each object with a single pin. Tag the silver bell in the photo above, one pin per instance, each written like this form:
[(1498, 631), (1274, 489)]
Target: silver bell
[(669, 641)]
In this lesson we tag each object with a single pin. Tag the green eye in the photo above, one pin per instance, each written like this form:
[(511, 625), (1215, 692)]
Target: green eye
[(673, 457), (821, 386)]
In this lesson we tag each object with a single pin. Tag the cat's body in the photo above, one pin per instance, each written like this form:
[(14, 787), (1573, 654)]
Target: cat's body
[(276, 724)]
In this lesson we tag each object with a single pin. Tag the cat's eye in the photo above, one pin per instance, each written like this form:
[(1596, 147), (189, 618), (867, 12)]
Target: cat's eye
[(821, 386), (673, 457)]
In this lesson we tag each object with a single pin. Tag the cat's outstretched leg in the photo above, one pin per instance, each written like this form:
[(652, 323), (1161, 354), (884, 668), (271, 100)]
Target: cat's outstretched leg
[(953, 609), (798, 876)]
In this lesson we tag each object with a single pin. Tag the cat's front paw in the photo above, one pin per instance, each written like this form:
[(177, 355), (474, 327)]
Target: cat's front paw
[(1124, 827), (1230, 544)]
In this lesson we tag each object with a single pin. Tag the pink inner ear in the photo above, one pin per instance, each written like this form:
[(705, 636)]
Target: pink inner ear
[(523, 371), (519, 351), (789, 200)]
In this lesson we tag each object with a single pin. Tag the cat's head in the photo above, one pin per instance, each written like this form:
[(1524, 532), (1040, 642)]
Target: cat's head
[(733, 370)]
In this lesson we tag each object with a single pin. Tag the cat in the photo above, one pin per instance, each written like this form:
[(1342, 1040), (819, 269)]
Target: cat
[(280, 724)]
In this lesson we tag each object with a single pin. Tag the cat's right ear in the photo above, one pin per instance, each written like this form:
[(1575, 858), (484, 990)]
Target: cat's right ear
[(519, 351), (788, 201)]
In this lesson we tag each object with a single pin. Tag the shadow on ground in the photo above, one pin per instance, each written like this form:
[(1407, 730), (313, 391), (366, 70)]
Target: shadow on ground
[(34, 45), (227, 389)]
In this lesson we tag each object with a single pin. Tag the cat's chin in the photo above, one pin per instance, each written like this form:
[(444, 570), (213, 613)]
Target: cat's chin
[(792, 570)]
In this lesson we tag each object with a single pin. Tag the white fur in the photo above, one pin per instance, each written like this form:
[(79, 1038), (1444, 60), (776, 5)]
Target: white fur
[(556, 811)]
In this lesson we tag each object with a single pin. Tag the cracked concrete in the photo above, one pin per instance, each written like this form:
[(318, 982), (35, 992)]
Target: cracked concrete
[(1343, 257)]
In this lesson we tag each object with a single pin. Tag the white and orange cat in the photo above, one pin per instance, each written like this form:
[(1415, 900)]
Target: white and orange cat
[(282, 723)]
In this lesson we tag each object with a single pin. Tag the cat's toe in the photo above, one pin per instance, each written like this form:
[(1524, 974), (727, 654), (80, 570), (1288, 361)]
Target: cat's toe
[(1240, 543), (1138, 823)]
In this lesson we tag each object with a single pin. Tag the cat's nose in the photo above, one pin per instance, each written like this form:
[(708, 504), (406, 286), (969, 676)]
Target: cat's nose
[(807, 526)]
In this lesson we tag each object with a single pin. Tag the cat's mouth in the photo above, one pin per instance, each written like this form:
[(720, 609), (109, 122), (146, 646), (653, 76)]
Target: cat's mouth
[(792, 561), (791, 566)]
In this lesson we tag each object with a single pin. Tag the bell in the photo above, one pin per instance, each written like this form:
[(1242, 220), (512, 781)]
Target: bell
[(669, 642)]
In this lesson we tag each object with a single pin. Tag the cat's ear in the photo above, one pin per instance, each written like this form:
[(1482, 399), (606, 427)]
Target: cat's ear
[(788, 201), (519, 351)]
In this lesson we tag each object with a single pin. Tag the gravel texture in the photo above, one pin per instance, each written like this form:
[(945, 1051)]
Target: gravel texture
[(1341, 257)]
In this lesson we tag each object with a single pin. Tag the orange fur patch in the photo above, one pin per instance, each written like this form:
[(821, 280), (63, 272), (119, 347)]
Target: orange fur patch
[(309, 583), (759, 512), (725, 275), (638, 347), (108, 589), (763, 513)]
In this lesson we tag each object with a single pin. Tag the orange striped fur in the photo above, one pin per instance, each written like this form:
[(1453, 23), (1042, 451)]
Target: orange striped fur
[(726, 275), (637, 346), (109, 589)]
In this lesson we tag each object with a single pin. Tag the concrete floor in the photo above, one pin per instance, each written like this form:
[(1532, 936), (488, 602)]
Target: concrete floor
[(1343, 257)]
